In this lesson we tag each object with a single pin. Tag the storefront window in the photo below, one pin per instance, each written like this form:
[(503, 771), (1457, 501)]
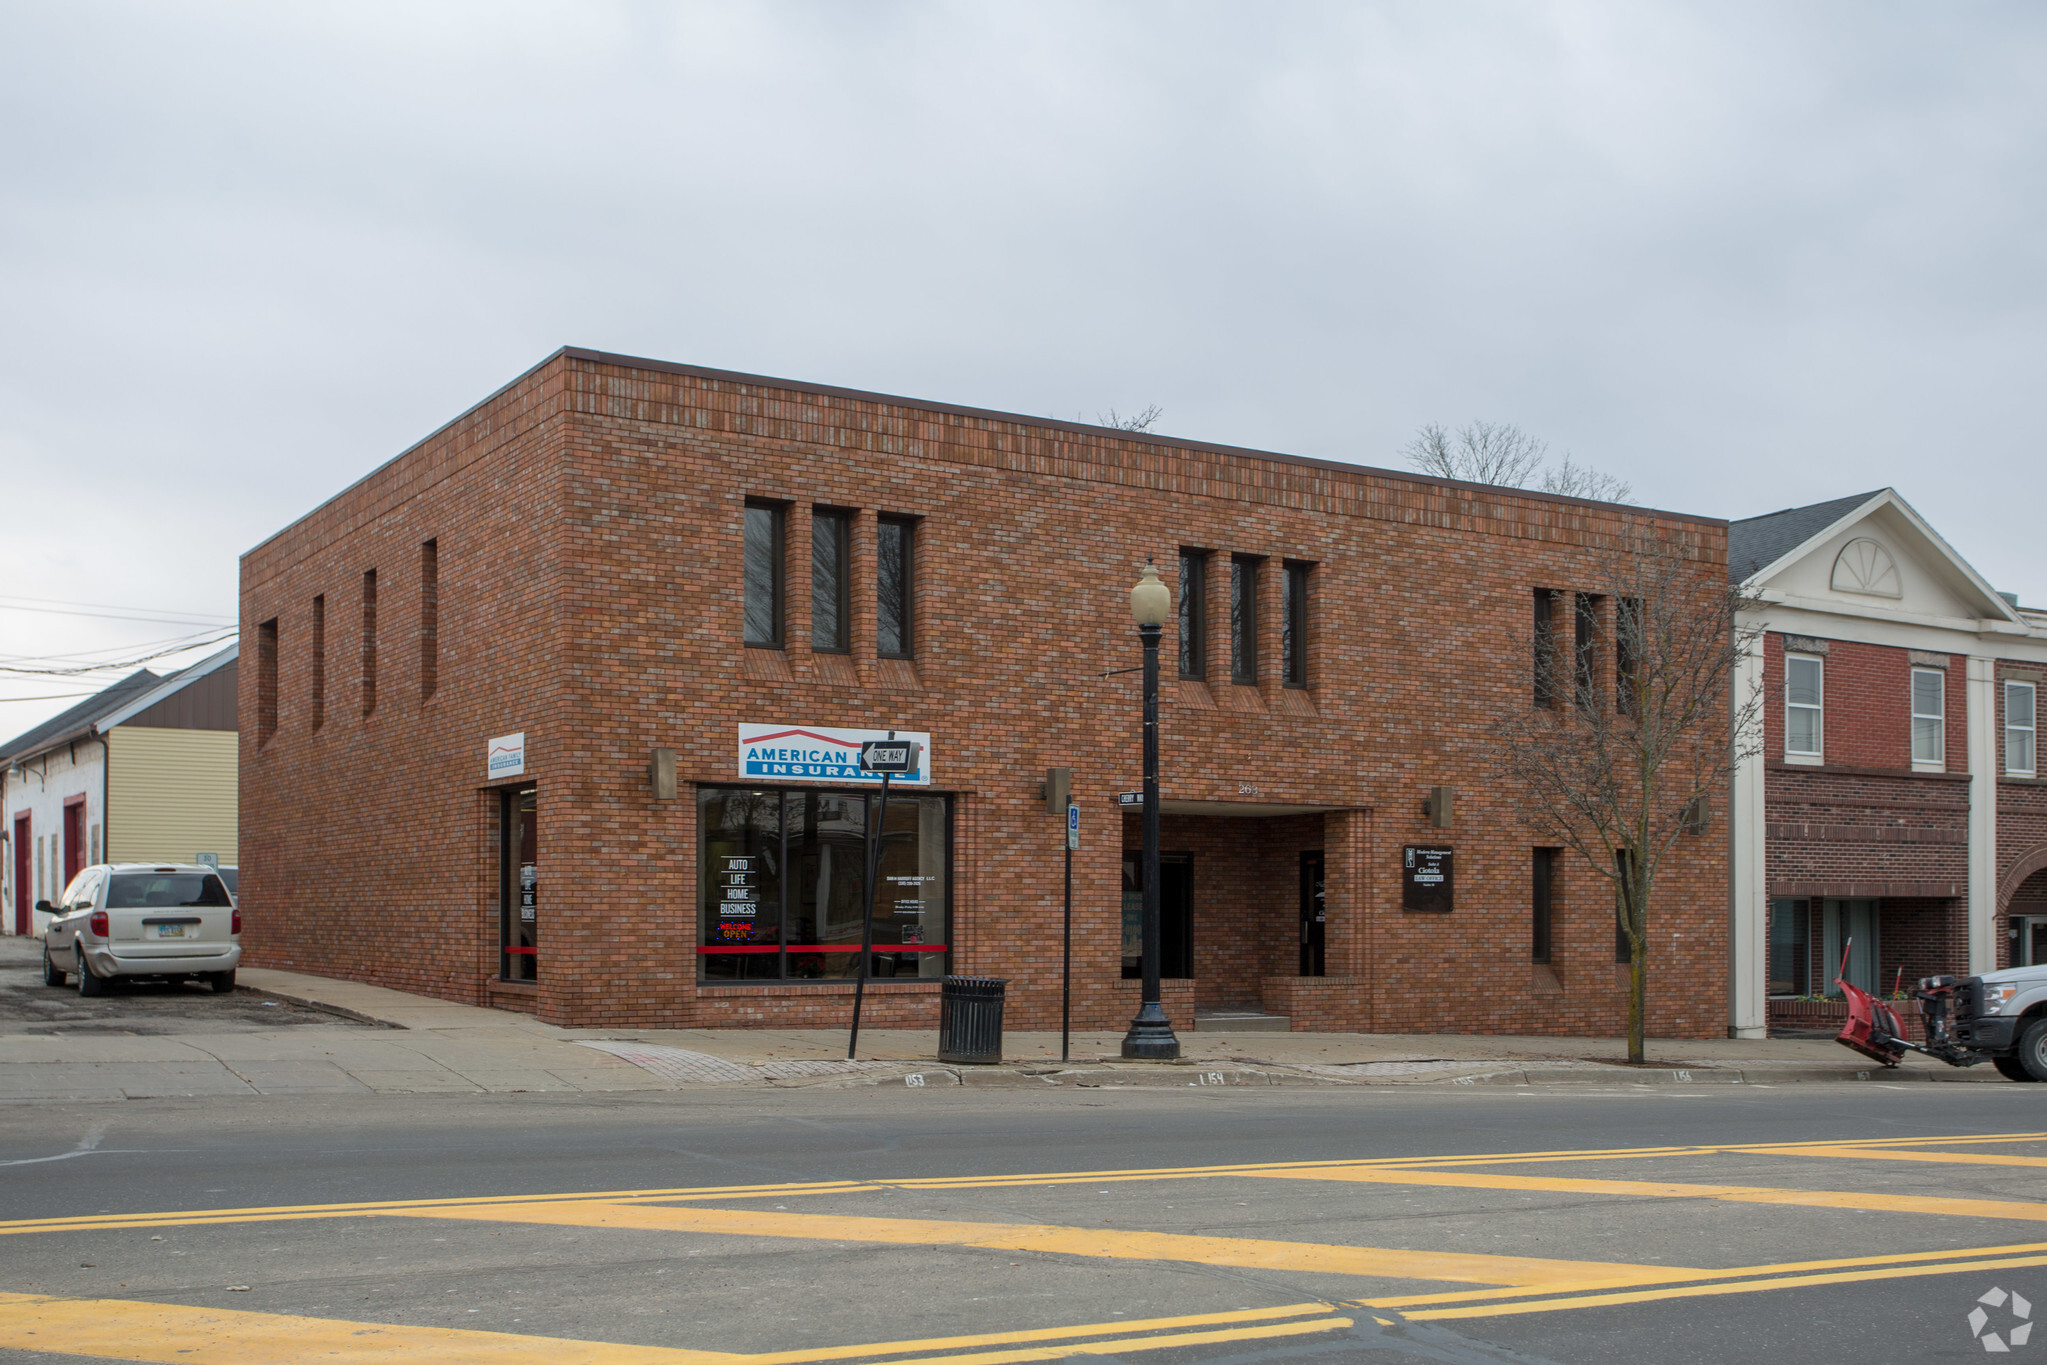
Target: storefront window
[(782, 874)]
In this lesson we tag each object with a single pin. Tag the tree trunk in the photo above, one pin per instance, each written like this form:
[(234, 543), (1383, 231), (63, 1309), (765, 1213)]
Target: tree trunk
[(1638, 997)]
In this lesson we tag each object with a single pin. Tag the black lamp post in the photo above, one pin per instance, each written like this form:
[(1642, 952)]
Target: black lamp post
[(1151, 1034)]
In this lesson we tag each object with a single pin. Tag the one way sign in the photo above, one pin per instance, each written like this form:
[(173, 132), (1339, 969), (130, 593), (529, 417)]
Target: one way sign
[(890, 755)]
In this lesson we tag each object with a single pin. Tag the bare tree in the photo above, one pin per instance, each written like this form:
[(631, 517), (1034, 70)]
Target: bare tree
[(1633, 725), (1140, 422), (1501, 453), (1583, 481), (1477, 452)]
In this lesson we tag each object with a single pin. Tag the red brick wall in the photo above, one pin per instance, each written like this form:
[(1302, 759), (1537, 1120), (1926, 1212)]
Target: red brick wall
[(1833, 833), (588, 527), (1867, 716)]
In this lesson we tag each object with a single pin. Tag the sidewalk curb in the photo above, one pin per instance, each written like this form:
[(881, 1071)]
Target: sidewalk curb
[(338, 1011), (1154, 1077)]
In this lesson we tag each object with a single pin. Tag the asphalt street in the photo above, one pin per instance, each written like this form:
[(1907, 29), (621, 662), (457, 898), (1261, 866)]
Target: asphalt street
[(1816, 1222)]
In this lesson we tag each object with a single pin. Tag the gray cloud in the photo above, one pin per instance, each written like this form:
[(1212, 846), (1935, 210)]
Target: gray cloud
[(1743, 256)]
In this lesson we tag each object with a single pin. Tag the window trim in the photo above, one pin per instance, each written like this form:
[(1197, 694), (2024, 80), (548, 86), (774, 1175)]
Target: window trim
[(1192, 614), (778, 588), (1938, 763), (1293, 622), (907, 627), (2032, 731), (842, 574), (1819, 755)]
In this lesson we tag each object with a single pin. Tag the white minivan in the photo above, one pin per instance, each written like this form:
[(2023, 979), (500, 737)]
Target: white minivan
[(174, 921)]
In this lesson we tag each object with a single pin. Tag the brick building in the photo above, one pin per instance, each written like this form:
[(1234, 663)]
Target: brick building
[(472, 668), (1898, 801)]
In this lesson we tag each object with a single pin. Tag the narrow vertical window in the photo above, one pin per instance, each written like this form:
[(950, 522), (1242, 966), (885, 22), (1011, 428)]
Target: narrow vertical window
[(1929, 716), (830, 602), (763, 567), (1624, 873), (1293, 625), (369, 641), (429, 618), (1804, 689), (1194, 614), (2019, 729), (1243, 619), (895, 588), (1585, 652), (319, 660), (266, 680), (1628, 652), (1542, 891), (1543, 639)]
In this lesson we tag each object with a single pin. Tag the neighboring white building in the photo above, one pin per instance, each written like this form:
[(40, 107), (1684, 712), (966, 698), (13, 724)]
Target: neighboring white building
[(142, 772), (1899, 800)]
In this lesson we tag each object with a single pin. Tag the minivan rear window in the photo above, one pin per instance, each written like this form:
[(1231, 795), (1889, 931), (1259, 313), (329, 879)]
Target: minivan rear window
[(140, 890)]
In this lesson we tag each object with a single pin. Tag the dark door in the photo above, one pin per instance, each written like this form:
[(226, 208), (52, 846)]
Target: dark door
[(1311, 913), (21, 875), (519, 885), (74, 839), (1176, 915)]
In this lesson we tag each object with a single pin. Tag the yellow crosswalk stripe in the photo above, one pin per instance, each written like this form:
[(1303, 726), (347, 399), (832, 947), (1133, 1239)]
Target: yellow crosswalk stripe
[(121, 1329), (1105, 1243)]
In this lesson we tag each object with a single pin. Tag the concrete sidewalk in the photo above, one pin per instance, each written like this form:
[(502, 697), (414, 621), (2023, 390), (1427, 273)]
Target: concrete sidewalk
[(386, 1041)]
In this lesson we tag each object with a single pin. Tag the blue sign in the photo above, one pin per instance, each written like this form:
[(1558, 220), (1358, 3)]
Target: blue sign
[(815, 753), (1073, 826)]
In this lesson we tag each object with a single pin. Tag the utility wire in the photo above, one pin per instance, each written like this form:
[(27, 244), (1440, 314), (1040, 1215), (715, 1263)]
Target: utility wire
[(112, 665), (174, 617)]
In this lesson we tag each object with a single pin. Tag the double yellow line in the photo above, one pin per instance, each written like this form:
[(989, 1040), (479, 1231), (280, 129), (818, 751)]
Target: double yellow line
[(121, 1329)]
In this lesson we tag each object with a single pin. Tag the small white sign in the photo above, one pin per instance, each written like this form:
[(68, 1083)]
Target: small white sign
[(1073, 827), (506, 756), (822, 753)]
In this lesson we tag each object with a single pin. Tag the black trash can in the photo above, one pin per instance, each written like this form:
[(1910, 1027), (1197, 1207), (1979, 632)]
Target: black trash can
[(970, 1020)]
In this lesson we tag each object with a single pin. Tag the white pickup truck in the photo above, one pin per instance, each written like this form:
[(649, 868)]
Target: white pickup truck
[(2002, 1016)]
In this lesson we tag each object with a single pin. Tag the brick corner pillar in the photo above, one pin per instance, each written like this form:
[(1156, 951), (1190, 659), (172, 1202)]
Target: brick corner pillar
[(1347, 893)]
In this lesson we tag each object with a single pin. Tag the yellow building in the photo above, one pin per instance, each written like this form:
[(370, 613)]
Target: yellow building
[(144, 772)]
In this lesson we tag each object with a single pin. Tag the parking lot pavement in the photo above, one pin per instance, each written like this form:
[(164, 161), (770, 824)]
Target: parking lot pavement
[(145, 1041)]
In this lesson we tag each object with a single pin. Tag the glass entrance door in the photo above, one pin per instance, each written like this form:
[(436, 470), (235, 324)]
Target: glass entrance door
[(1312, 927), (518, 885), (1176, 915)]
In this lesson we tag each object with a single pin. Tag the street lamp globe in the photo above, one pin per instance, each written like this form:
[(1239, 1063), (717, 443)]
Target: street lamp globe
[(1151, 601)]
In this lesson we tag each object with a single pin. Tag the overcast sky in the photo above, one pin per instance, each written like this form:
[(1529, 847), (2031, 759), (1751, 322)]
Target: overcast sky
[(1744, 256)]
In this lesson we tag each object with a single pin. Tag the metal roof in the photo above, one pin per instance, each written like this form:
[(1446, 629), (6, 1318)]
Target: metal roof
[(170, 686), (79, 720), (1758, 542)]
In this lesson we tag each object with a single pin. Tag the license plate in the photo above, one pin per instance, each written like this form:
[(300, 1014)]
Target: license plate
[(170, 931)]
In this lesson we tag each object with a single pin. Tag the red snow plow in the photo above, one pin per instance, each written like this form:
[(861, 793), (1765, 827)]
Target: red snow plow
[(1874, 1031)]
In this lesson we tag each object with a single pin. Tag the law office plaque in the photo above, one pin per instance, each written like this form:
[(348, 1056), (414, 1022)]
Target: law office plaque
[(1425, 879)]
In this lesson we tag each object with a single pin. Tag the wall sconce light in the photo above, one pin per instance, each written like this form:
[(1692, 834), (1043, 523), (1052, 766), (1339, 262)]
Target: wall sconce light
[(1057, 789), (661, 774), (1437, 806)]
